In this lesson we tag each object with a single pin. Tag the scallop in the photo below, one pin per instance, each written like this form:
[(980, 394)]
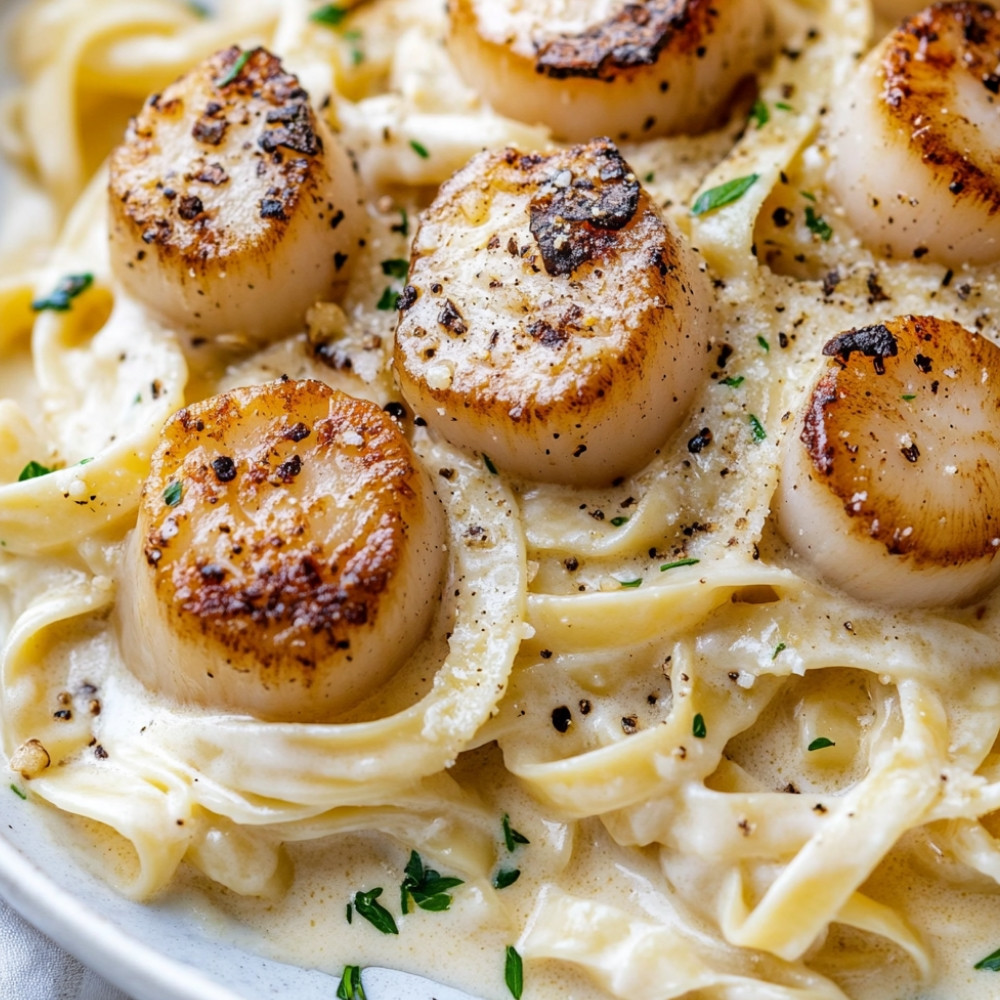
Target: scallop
[(890, 487), (288, 555), (232, 206), (607, 67), (553, 319), (913, 139)]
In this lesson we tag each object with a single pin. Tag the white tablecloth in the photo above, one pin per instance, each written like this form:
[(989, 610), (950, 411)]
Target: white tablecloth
[(32, 967)]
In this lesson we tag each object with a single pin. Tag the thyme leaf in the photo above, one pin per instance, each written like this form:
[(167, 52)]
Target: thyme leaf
[(723, 194)]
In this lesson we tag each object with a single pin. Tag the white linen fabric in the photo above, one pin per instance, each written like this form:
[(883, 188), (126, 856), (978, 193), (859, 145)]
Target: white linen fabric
[(33, 967)]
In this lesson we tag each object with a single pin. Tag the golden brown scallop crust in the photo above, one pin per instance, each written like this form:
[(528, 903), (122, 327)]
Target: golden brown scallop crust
[(916, 75), (660, 67), (286, 579), (891, 467), (635, 36), (175, 213), (547, 298)]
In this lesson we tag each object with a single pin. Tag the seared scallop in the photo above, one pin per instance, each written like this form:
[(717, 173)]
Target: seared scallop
[(607, 67), (232, 206), (914, 138), (288, 554), (891, 487), (553, 319)]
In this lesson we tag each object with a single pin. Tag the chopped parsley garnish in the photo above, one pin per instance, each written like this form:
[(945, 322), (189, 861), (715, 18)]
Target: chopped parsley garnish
[(648, 179), (808, 195), (991, 963), (698, 730), (357, 54), (631, 583), (388, 300), (488, 462), (235, 69), (368, 906), (512, 837), (783, 106), (61, 297), (817, 224), (619, 520), (173, 493), (757, 431), (777, 649), (349, 912), (505, 877), (759, 113), (403, 226), (19, 792), (350, 987), (716, 197), (678, 562), (395, 268), (821, 743), (764, 345), (32, 471), (734, 380), (329, 14), (909, 396), (513, 972), (426, 887), (419, 148)]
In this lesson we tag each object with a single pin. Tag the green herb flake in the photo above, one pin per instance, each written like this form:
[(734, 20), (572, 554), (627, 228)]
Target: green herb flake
[(388, 300), (368, 906), (403, 226), (757, 431), (698, 730), (512, 837), (783, 106), (631, 584), (513, 972), (734, 381), (488, 462), (61, 297), (330, 14), (19, 792), (991, 963), (679, 562), (759, 113), (808, 195), (350, 987), (396, 268), (781, 647), (32, 471), (716, 197), (648, 179), (909, 396), (820, 743), (427, 888), (764, 345), (619, 520), (420, 149), (173, 493), (235, 69), (349, 912), (357, 54), (818, 225), (505, 877)]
